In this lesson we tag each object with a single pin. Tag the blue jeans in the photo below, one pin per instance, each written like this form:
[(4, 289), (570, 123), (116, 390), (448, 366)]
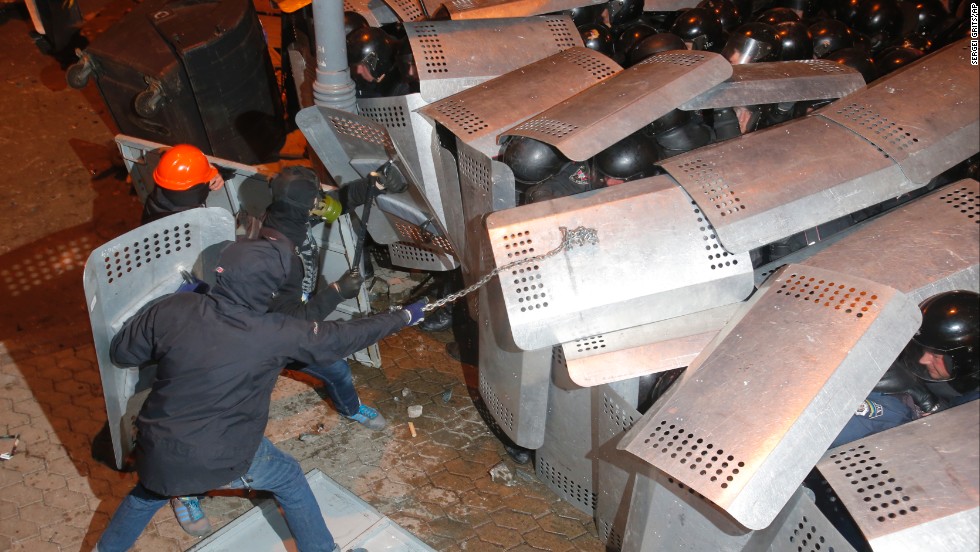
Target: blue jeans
[(271, 470), (339, 384)]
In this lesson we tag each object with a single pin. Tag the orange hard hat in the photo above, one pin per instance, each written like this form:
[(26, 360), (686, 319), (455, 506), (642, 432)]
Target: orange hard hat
[(182, 167)]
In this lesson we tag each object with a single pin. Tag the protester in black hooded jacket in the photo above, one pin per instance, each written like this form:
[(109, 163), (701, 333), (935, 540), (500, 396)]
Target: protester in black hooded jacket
[(218, 356)]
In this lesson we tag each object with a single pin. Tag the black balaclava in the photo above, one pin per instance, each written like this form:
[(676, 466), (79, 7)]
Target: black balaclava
[(294, 193), (249, 272)]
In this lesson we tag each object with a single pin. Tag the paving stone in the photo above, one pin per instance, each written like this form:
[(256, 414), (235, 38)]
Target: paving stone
[(499, 536), (17, 528), (64, 498), (45, 480), (62, 534), (566, 527), (7, 509), (21, 494), (36, 544)]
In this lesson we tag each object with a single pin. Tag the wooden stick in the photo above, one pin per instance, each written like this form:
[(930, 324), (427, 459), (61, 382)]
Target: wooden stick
[(411, 427)]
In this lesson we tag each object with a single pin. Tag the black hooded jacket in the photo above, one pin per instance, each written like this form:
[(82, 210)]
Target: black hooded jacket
[(218, 356)]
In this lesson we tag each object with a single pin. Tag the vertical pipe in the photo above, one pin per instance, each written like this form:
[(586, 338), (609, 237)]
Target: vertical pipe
[(333, 86)]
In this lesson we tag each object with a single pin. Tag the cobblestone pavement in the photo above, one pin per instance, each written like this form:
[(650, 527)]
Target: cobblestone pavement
[(63, 195)]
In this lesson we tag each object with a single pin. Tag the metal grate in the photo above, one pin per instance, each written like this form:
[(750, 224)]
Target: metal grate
[(529, 288), (123, 261), (718, 257), (433, 55), (388, 116), (715, 190), (616, 414), (965, 201), (476, 171), (806, 538), (591, 343), (410, 254), (412, 233), (685, 60), (564, 34), (549, 472), (881, 493), (599, 68), (841, 297), (694, 452), (361, 132), (888, 131), (550, 127), (609, 535), (410, 10), (461, 115), (823, 66), (501, 413)]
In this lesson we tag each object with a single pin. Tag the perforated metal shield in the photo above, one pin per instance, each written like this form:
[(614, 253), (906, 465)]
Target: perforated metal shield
[(924, 117), (755, 411), (353, 524), (414, 139), (485, 186), (349, 146), (376, 12), (667, 5), (914, 487), (452, 56), (616, 413), (605, 113), (564, 461), (487, 9), (925, 247), (123, 275), (773, 183), (656, 258), (479, 114), (780, 81), (642, 350), (407, 10), (513, 383)]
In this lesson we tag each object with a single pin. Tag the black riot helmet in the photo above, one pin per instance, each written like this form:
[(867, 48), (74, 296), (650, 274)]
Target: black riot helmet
[(598, 37), (726, 11), (880, 21), (752, 42), (803, 8), (623, 12), (846, 11), (629, 36), (531, 160), (354, 21), (774, 16), (794, 41), (950, 330), (372, 49), (654, 44), (631, 158), (700, 28), (857, 59), (926, 16), (830, 35), (895, 58), (673, 119), (585, 15)]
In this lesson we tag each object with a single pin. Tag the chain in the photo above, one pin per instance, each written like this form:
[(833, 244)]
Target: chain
[(569, 239)]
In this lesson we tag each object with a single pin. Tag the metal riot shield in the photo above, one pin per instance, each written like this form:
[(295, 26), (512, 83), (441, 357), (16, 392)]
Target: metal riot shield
[(487, 9), (642, 350), (615, 470), (478, 115), (780, 81), (925, 247), (655, 258), (376, 12), (407, 10), (353, 146), (452, 56), (775, 182), (667, 5), (602, 115), (923, 117), (485, 186), (123, 275), (563, 462), (914, 487), (757, 408)]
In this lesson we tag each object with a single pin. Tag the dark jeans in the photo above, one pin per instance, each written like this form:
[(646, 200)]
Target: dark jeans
[(271, 470), (339, 384)]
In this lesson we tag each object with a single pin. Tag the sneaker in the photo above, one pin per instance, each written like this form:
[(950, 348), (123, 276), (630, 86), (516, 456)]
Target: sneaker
[(190, 515), (369, 418)]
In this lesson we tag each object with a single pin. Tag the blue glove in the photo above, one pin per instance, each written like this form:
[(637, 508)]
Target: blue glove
[(413, 314)]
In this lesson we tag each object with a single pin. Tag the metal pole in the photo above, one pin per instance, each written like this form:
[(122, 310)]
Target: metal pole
[(333, 87)]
